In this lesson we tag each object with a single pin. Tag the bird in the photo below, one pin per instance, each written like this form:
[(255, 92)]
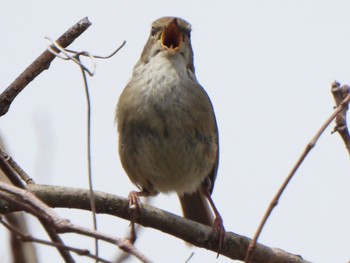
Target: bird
[(168, 134)]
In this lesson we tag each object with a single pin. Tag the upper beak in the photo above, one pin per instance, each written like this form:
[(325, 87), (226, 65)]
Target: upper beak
[(172, 37)]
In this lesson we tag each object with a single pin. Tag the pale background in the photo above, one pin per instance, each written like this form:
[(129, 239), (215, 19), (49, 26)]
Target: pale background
[(267, 66)]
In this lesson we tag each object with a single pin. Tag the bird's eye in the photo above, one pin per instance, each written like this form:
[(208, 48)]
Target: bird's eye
[(153, 32)]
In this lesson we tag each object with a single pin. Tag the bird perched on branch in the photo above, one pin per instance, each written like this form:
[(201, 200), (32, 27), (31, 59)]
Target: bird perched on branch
[(168, 136)]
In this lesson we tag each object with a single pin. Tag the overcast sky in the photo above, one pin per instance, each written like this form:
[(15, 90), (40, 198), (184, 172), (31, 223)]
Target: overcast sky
[(267, 67)]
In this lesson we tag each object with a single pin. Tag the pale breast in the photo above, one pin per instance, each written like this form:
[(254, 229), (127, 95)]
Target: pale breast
[(167, 129)]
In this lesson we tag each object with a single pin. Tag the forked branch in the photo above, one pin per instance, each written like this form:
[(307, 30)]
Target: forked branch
[(39, 65)]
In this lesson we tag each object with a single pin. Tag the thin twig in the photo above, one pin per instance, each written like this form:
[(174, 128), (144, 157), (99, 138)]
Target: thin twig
[(97, 56), (276, 198), (16, 168), (29, 238), (88, 137), (52, 233), (75, 57), (123, 255), (67, 54), (63, 54), (189, 258), (39, 65), (20, 251), (9, 171)]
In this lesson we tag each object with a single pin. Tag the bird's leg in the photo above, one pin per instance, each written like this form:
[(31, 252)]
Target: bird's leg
[(135, 206), (219, 228)]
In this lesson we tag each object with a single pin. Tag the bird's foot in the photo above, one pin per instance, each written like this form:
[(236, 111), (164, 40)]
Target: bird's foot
[(135, 207)]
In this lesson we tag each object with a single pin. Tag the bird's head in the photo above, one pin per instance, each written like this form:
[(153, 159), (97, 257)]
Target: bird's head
[(170, 36)]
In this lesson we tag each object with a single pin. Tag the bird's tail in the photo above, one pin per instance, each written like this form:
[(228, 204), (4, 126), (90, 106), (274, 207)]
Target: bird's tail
[(196, 207)]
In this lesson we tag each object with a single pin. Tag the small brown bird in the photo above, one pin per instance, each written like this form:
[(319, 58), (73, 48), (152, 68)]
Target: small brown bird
[(168, 137)]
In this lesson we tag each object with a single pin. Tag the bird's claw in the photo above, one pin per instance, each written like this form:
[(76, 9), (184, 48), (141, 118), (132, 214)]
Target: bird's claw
[(134, 201), (219, 230)]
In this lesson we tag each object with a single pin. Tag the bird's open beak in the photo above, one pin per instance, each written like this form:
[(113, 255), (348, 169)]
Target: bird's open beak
[(172, 37)]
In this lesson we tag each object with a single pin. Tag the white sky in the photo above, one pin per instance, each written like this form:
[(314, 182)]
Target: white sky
[(267, 66)]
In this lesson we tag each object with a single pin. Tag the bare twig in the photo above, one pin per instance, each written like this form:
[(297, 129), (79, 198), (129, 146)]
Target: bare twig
[(339, 93), (39, 65), (98, 56), (63, 54), (9, 171), (189, 258), (30, 203), (16, 168), (12, 175), (342, 105), (197, 234), (67, 257), (88, 138), (20, 251), (136, 231), (29, 238), (67, 54), (75, 57)]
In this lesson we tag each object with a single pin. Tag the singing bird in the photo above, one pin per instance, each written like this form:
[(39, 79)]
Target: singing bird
[(168, 136)]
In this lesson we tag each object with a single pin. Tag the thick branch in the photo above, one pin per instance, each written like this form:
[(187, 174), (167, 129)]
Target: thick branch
[(39, 65), (235, 246)]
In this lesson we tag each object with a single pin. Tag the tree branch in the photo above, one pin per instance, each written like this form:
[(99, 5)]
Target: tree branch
[(343, 104), (27, 201), (9, 175), (25, 238), (235, 246), (39, 65), (339, 93)]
